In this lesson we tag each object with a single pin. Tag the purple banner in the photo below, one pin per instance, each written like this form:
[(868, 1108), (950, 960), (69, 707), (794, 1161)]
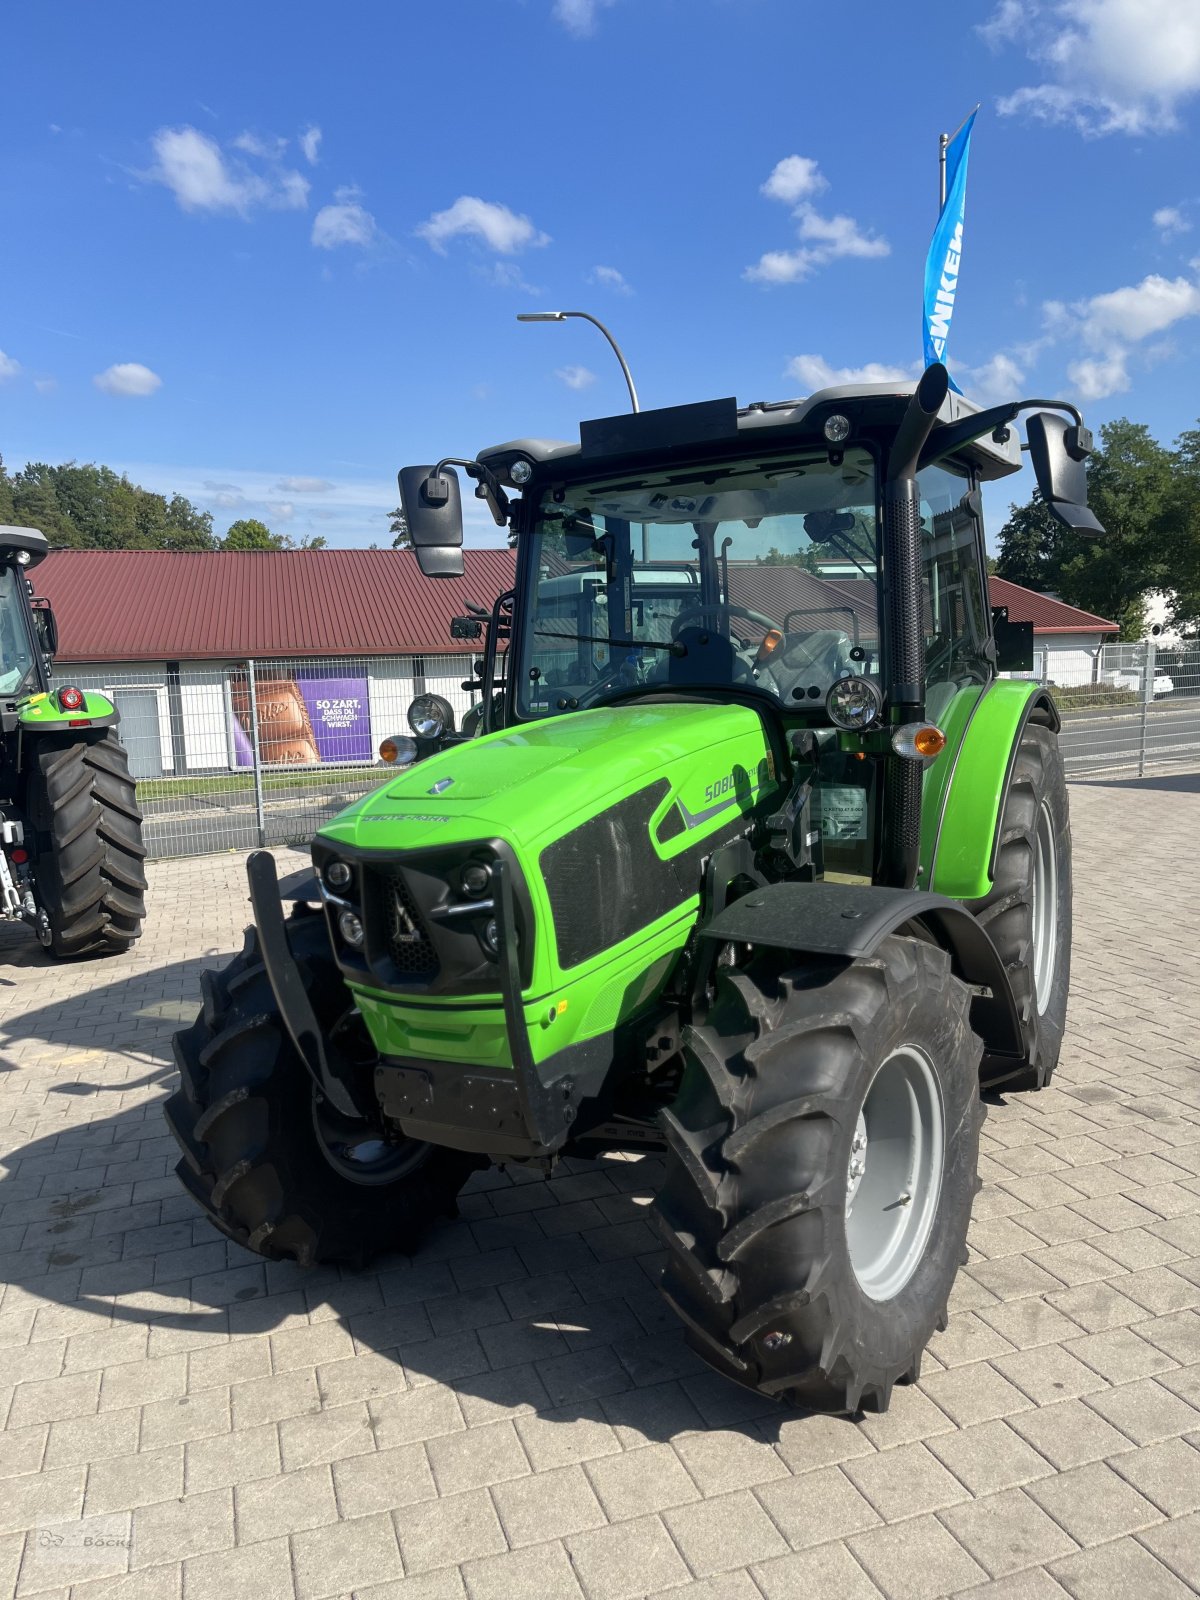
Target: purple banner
[(306, 720)]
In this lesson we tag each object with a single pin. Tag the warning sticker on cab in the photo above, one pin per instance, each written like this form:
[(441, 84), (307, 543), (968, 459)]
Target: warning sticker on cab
[(843, 811)]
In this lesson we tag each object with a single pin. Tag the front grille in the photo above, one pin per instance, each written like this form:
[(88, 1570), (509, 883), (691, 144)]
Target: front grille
[(408, 943)]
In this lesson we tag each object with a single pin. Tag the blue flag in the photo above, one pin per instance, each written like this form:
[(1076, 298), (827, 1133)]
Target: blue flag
[(945, 248)]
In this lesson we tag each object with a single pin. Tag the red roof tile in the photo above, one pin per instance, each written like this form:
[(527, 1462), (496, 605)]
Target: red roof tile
[(1047, 615), (157, 605)]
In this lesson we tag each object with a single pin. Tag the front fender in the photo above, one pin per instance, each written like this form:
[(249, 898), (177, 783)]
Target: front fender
[(960, 832), (852, 920)]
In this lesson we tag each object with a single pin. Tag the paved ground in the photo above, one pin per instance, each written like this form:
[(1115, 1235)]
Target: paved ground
[(513, 1414)]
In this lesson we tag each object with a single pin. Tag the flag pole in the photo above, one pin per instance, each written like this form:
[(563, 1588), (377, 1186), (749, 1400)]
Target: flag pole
[(943, 143)]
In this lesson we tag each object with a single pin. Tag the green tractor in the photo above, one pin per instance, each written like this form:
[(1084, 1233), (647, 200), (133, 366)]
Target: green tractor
[(72, 862), (760, 863)]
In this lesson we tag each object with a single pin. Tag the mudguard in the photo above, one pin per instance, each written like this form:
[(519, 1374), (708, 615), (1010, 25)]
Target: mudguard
[(852, 920), (962, 805), (41, 713)]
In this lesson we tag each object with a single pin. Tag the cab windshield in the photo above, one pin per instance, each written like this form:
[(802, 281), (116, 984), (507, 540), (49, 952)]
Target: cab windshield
[(750, 575), (17, 650)]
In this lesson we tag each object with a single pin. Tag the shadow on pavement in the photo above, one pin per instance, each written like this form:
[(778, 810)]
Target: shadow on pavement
[(1167, 783), (541, 1297)]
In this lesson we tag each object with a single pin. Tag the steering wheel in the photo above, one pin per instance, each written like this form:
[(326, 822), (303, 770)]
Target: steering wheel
[(686, 618)]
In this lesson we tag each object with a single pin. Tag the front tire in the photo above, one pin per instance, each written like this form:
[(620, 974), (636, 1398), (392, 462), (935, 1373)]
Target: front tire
[(777, 1285), (1028, 912), (90, 859), (273, 1168)]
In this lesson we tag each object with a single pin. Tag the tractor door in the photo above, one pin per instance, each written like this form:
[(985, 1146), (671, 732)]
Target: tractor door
[(954, 588)]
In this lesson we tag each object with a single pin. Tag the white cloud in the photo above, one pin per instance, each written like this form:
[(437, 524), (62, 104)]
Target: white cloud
[(1112, 66), (579, 16), (823, 239), (202, 178), (8, 367), (310, 144), (228, 499), (45, 385), (1094, 379), (1134, 313), (839, 236), (269, 147), (495, 225), (997, 379), (304, 485), (345, 222), (814, 372), (1169, 220), (508, 275), (281, 510), (128, 379), (575, 377), (610, 278), (1112, 328), (794, 178)]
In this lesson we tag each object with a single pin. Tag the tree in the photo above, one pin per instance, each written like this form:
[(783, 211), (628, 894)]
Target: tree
[(1134, 489), (93, 508), (248, 533), (398, 525)]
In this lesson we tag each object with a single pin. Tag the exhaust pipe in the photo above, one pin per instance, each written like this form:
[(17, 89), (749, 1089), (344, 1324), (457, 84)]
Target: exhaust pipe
[(904, 634)]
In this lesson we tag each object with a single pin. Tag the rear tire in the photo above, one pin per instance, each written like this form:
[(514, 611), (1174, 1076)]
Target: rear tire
[(263, 1160), (777, 1286), (1028, 912), (89, 860)]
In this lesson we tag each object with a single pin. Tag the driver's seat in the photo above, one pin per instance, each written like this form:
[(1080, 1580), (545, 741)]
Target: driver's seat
[(818, 654), (711, 658)]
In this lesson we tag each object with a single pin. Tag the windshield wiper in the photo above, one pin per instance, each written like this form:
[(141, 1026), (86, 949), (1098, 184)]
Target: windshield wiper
[(673, 647)]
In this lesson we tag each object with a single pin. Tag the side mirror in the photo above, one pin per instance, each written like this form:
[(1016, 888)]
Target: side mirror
[(466, 628), (432, 509), (47, 627), (1058, 452)]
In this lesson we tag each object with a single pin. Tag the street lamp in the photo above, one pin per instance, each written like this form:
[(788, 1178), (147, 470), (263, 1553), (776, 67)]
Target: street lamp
[(561, 316)]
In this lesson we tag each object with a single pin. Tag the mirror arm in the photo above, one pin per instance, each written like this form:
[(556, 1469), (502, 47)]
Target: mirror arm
[(488, 486), (945, 441)]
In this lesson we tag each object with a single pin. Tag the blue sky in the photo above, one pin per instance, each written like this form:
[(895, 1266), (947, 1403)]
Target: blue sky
[(265, 254)]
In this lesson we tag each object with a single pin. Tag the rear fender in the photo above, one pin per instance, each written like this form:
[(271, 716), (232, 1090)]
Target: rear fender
[(852, 921), (41, 713), (959, 847)]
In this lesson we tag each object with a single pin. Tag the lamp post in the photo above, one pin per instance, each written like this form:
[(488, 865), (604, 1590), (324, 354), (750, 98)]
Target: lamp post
[(561, 316)]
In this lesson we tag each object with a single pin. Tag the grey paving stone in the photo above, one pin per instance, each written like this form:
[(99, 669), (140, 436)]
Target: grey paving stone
[(444, 1532), (817, 1507), (1005, 1532), (829, 1571), (541, 1572), (990, 1457), (628, 1560), (1094, 1504), (916, 1560), (638, 1482), (549, 1506), (722, 1534), (1116, 1571), (332, 1561)]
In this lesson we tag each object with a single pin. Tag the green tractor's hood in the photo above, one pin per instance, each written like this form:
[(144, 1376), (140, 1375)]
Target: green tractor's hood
[(544, 778)]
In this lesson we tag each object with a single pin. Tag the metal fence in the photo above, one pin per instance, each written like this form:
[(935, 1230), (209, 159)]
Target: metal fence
[(237, 754), (1126, 708), (232, 755)]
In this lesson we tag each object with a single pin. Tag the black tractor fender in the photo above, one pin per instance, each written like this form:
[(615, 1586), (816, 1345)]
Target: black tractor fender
[(852, 920)]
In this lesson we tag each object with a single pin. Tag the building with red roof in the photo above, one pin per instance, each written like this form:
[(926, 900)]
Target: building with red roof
[(341, 640)]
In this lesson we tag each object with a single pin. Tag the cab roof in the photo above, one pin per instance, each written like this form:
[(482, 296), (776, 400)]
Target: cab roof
[(673, 431)]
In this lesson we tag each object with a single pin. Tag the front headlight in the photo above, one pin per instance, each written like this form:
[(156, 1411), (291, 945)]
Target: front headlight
[(854, 703), (430, 716)]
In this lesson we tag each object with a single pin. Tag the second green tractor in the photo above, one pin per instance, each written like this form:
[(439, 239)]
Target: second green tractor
[(757, 862)]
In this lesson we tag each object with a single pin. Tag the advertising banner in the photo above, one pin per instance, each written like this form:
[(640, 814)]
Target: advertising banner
[(308, 719)]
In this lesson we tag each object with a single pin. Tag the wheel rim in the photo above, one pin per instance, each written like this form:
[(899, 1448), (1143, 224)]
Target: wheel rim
[(359, 1153), (894, 1173), (357, 1149), (1045, 908)]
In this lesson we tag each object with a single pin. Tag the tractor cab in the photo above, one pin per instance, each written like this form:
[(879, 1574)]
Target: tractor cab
[(27, 632)]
